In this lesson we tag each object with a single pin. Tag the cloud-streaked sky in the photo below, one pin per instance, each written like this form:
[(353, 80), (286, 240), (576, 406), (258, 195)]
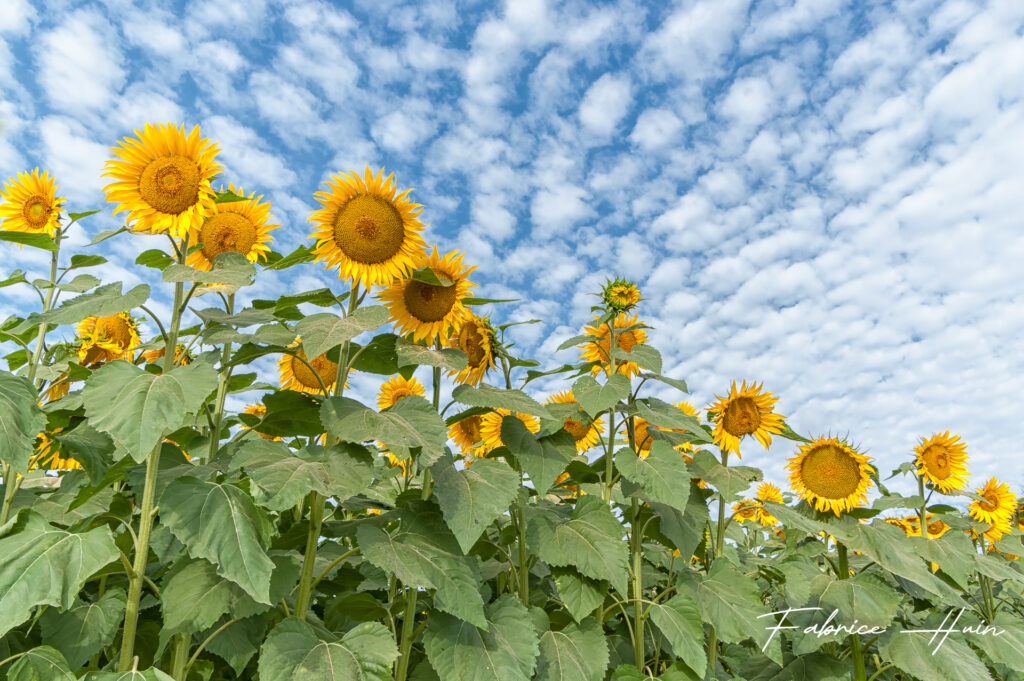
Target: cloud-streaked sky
[(822, 195)]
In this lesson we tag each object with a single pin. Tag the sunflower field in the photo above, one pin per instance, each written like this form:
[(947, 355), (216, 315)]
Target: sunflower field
[(610, 530)]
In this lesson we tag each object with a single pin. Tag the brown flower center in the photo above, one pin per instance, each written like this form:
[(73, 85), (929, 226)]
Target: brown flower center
[(577, 429), (830, 472), (323, 366), (227, 232), (426, 302), (470, 427), (471, 342), (114, 329), (36, 211), (991, 502), (742, 417), (936, 461), (170, 184), (369, 229)]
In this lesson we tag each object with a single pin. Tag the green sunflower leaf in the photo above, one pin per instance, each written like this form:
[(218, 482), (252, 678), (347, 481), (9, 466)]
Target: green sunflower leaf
[(35, 240), (665, 415), (732, 603), (80, 632), (451, 359), (294, 651), (428, 276), (663, 475), (137, 409), (155, 258), (580, 595), (102, 302), (40, 663), (412, 422), (147, 675), (506, 651), (21, 420), (321, 332), (591, 541), (646, 356), (575, 653), (596, 398), (220, 522), (78, 261), (472, 498), (497, 398), (543, 459), (228, 268), (680, 620), (728, 480), (45, 565), (912, 653)]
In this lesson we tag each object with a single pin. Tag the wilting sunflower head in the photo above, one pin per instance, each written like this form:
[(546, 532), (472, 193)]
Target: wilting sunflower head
[(371, 235), (47, 457), (30, 204), (107, 338), (599, 349), (642, 439), (241, 227), (942, 460), (620, 295), (162, 179), (998, 507), (397, 387), (428, 310), (475, 337), (745, 510), (584, 430), (467, 436), (490, 426), (766, 491), (298, 372), (831, 475), (181, 355), (747, 411)]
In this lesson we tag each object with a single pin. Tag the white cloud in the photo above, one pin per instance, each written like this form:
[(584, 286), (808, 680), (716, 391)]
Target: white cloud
[(749, 101), (606, 102), (81, 67), (74, 158), (693, 41), (245, 155), (16, 16), (656, 128)]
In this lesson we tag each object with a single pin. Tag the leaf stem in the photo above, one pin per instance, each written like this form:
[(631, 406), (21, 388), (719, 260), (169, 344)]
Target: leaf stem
[(857, 654), (222, 387), (179, 667), (316, 514)]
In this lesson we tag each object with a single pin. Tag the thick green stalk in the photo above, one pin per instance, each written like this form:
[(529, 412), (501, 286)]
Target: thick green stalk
[(316, 516), (147, 513), (719, 546), (638, 601), (408, 622), (182, 642), (11, 480), (859, 673), (222, 388), (924, 510), (524, 571)]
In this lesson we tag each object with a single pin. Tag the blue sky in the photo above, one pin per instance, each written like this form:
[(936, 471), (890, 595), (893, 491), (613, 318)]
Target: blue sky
[(821, 195)]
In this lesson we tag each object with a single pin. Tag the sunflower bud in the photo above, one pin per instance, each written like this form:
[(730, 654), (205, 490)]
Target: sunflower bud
[(620, 295)]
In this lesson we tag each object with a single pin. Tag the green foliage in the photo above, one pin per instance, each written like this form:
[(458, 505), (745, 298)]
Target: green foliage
[(20, 421)]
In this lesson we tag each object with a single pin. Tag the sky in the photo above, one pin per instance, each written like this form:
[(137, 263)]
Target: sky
[(821, 195)]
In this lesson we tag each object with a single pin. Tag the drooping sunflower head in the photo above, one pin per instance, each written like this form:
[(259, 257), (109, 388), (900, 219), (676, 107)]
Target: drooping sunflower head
[(428, 310), (573, 490), (642, 439), (241, 227), (58, 388), (181, 355), (397, 387), (584, 430), (942, 460), (107, 338), (490, 426), (467, 436), (162, 179), (911, 524), (745, 510), (475, 337), (371, 235), (998, 507), (766, 491), (298, 372), (259, 411), (747, 411), (620, 295), (47, 456), (30, 204), (831, 475), (626, 338)]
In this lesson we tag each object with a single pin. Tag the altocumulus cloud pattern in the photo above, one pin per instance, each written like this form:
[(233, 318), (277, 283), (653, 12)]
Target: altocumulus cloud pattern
[(819, 194)]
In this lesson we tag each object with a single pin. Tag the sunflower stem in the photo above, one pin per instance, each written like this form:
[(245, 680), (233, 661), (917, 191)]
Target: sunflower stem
[(316, 515), (923, 518), (638, 602), (146, 518), (436, 375), (182, 643), (859, 673), (222, 387), (408, 634)]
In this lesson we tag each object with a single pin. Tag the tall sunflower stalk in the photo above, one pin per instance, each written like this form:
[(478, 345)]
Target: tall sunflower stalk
[(222, 385)]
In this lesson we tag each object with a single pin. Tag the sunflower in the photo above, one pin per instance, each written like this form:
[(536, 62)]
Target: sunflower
[(942, 460), (642, 437), (584, 430), (742, 413), (363, 229), (745, 510), (688, 459), (573, 490), (766, 491), (107, 338), (58, 388), (475, 337), (490, 426), (295, 375), (236, 227), (998, 508), (830, 475), (259, 411), (47, 457), (30, 204), (620, 295), (162, 179), (466, 434), (912, 526), (397, 387), (181, 355), (426, 310), (599, 349)]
